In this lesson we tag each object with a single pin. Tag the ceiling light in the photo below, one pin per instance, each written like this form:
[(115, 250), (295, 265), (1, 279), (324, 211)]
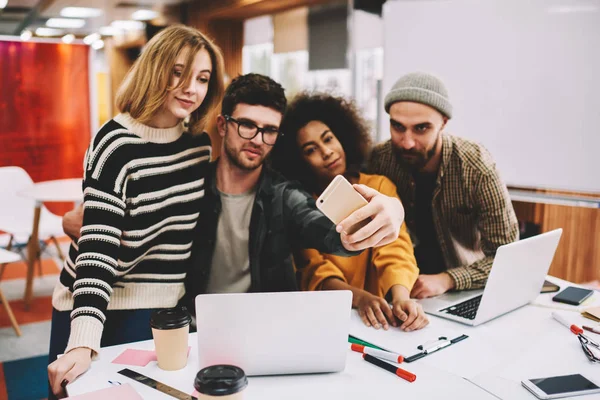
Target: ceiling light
[(98, 44), (144, 15), (68, 38), (128, 25), (89, 39), (48, 32), (81, 12), (26, 35), (73, 23), (107, 31), (3, 3)]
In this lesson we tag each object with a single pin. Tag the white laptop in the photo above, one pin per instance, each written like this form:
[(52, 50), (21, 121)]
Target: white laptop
[(516, 278), (274, 333)]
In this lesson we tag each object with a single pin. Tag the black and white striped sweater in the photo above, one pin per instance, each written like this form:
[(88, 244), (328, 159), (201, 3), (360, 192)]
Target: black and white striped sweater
[(142, 192)]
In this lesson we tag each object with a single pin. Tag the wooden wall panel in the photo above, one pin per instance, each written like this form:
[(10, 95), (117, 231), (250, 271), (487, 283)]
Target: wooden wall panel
[(229, 36), (119, 63), (577, 258)]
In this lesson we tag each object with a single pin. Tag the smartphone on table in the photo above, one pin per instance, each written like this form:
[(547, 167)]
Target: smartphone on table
[(339, 200), (573, 295), (556, 387)]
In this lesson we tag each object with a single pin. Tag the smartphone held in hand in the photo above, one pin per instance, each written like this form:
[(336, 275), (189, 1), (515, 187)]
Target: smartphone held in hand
[(339, 200)]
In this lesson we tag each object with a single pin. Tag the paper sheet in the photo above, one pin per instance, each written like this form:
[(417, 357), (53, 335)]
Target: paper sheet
[(119, 392), (398, 341), (481, 351), (137, 357), (545, 300)]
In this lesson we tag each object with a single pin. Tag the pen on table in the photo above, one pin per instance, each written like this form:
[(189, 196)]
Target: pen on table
[(356, 340), (574, 328), (386, 355), (408, 376), (589, 328)]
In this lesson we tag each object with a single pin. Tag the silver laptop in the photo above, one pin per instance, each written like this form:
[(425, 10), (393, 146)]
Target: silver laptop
[(275, 333), (516, 278)]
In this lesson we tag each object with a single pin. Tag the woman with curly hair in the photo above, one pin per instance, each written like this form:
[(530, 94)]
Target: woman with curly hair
[(325, 136)]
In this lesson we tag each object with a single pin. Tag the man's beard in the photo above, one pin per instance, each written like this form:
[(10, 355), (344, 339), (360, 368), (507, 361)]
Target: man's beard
[(237, 160), (419, 158)]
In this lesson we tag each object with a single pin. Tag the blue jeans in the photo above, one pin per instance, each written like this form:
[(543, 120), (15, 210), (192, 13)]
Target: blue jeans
[(121, 326)]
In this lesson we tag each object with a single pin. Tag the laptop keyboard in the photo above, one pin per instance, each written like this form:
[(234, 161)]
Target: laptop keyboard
[(466, 309)]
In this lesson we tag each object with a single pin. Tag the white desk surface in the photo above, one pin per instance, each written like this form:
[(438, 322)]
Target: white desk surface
[(527, 343), (60, 190)]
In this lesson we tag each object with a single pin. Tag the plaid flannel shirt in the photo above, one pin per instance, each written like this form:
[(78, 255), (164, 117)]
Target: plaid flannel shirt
[(471, 207)]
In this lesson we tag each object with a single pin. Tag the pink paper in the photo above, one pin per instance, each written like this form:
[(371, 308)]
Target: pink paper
[(195, 394), (121, 392), (136, 357), (140, 358)]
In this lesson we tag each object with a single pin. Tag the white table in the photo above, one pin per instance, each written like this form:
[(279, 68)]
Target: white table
[(538, 346), (61, 190), (360, 380)]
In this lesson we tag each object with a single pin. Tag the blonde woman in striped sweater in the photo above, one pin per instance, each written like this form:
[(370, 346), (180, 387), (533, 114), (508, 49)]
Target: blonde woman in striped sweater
[(143, 184)]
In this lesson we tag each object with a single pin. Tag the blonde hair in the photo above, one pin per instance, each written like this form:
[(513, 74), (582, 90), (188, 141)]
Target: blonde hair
[(146, 86)]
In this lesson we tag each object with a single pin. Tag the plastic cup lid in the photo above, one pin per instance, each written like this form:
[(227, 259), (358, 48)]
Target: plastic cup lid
[(220, 380), (171, 318)]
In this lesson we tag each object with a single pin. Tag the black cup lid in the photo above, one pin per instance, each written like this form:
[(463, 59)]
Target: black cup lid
[(220, 380), (171, 318)]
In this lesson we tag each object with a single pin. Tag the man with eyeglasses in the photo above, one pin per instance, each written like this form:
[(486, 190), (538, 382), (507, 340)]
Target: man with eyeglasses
[(252, 218)]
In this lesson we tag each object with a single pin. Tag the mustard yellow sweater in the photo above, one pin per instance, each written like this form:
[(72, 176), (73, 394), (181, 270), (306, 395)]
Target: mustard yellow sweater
[(375, 270)]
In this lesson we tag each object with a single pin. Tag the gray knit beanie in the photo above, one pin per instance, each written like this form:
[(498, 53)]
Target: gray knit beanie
[(419, 87)]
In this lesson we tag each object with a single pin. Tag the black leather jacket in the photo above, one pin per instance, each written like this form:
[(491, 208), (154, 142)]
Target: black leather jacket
[(284, 218)]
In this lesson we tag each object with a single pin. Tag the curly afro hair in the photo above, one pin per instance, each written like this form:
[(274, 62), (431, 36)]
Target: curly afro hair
[(343, 119)]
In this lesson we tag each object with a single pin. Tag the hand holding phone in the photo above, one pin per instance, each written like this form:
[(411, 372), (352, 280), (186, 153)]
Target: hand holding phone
[(339, 200)]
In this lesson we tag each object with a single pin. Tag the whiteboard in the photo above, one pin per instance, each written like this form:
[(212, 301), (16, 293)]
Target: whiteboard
[(523, 77)]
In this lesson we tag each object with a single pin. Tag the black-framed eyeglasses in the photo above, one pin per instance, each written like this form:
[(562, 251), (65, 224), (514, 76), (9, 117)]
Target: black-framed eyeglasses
[(585, 345), (249, 130)]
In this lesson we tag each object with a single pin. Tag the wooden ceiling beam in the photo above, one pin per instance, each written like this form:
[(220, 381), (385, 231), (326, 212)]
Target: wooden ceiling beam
[(244, 9)]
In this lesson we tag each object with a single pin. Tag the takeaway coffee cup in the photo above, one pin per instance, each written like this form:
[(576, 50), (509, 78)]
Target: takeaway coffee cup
[(221, 382), (170, 329)]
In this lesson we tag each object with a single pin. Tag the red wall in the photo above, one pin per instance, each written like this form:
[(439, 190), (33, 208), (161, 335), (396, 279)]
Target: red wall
[(44, 109)]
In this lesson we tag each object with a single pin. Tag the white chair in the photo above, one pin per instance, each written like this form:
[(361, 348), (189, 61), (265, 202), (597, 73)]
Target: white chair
[(16, 216), (8, 257)]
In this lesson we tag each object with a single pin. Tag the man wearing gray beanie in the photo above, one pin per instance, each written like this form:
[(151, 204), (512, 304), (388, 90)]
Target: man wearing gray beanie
[(458, 210)]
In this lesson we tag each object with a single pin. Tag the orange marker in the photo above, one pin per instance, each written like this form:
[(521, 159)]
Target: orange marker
[(386, 355)]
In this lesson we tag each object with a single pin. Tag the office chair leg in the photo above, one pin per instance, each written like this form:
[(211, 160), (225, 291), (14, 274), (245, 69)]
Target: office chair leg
[(58, 249), (11, 316)]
